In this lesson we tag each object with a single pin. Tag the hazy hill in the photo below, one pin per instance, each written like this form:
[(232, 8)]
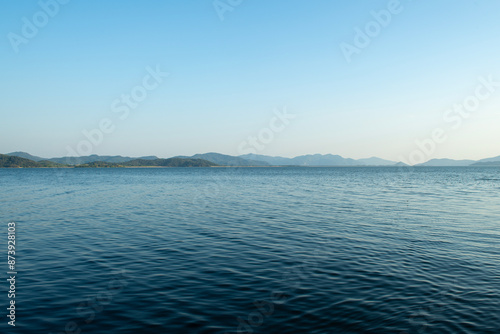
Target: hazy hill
[(488, 160), (305, 160), (274, 161), (374, 161), (26, 156), (323, 160), (227, 160), (487, 163), (318, 160), (447, 163)]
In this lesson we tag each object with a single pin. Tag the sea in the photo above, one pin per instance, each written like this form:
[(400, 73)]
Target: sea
[(252, 250)]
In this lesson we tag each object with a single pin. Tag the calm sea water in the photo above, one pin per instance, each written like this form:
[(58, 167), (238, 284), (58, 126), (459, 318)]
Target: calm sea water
[(254, 250)]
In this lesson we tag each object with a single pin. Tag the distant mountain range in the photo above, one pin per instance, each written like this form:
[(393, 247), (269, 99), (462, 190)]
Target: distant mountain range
[(220, 160), (217, 159)]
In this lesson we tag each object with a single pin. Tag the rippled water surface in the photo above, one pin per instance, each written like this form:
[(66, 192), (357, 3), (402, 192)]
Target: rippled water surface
[(255, 250)]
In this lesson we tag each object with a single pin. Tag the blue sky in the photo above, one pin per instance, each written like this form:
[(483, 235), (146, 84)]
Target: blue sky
[(228, 77)]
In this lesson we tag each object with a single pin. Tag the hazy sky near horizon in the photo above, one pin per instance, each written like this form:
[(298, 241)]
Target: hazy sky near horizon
[(359, 83)]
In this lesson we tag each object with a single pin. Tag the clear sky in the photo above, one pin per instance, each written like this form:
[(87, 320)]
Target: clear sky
[(67, 67)]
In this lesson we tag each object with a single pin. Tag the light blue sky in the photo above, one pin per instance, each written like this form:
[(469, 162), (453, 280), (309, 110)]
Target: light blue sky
[(226, 77)]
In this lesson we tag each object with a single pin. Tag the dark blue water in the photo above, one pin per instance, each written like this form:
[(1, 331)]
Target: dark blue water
[(254, 250)]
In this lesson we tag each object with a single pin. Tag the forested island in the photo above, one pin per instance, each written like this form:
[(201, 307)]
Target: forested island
[(7, 161)]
